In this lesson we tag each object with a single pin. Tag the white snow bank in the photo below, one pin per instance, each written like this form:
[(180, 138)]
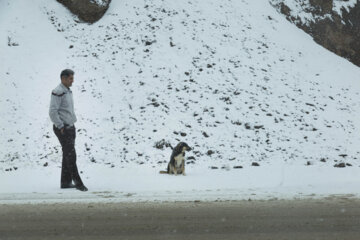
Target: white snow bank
[(203, 184)]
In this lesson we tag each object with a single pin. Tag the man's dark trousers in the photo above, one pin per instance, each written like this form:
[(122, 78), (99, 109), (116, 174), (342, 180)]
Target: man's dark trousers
[(69, 171)]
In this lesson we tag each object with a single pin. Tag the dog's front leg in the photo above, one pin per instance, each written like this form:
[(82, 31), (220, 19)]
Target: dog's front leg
[(183, 167), (173, 170)]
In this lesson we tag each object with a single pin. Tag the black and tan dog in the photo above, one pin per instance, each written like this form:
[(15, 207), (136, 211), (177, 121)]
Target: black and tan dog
[(177, 160)]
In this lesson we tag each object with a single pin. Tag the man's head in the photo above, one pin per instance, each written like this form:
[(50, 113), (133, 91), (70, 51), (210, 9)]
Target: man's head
[(67, 77)]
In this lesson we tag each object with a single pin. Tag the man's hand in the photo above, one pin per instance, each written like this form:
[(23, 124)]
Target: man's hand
[(62, 131)]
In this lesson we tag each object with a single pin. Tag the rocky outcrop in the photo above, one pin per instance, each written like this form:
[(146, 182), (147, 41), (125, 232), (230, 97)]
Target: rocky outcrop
[(337, 31), (87, 10)]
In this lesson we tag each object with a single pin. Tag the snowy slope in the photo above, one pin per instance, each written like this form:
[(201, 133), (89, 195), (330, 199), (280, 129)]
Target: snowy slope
[(233, 79)]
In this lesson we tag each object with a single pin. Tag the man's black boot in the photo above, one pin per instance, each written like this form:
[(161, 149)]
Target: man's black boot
[(82, 188), (68, 185)]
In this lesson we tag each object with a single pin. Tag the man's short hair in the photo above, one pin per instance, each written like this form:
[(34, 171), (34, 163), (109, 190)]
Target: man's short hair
[(66, 73)]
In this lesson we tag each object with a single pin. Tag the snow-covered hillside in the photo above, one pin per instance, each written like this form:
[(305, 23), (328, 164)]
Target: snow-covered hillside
[(233, 79)]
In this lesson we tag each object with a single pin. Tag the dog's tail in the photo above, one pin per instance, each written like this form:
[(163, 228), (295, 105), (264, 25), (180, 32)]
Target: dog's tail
[(163, 172)]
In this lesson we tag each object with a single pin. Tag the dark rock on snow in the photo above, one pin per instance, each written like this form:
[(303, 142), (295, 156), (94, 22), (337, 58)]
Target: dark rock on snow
[(340, 165), (87, 10)]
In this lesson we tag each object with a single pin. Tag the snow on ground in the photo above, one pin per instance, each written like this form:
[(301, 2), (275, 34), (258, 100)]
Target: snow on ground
[(233, 79), (145, 184)]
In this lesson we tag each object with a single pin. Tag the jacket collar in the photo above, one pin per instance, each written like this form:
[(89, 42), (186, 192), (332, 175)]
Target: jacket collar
[(65, 88)]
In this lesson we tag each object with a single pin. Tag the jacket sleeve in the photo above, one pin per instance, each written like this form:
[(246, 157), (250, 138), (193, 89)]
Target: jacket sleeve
[(54, 110)]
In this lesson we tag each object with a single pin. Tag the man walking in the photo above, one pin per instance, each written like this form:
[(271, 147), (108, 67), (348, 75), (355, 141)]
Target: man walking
[(63, 116)]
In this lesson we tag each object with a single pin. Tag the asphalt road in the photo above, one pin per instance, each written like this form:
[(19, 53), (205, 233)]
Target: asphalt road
[(331, 218)]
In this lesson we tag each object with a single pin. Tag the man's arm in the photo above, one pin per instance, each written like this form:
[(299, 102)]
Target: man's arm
[(54, 110)]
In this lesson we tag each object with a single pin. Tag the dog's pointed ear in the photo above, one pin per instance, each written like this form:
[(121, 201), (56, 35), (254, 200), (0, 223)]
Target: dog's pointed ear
[(178, 147)]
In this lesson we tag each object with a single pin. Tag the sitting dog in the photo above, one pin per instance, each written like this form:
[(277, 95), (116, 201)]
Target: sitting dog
[(177, 160)]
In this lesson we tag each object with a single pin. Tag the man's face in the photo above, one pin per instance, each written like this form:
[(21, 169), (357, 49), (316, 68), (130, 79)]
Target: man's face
[(67, 81)]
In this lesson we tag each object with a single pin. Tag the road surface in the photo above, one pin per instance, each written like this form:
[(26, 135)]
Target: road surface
[(331, 218)]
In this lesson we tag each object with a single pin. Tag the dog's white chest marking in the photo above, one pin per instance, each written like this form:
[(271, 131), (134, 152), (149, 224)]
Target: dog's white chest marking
[(178, 159)]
